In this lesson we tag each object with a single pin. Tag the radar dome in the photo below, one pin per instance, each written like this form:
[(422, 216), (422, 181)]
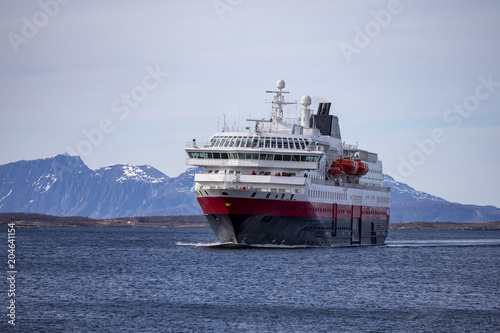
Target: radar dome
[(305, 100), (280, 84)]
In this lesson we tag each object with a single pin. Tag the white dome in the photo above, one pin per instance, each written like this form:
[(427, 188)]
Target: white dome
[(305, 100), (280, 84)]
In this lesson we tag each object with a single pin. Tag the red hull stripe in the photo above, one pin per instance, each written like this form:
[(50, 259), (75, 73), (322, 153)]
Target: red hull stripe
[(250, 206)]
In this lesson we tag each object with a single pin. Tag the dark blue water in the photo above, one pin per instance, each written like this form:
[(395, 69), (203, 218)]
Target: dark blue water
[(162, 280)]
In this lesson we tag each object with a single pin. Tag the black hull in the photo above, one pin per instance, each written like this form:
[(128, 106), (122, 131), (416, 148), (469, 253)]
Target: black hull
[(306, 231)]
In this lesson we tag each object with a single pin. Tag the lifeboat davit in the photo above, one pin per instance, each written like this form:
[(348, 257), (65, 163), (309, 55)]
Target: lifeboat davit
[(362, 168), (348, 165)]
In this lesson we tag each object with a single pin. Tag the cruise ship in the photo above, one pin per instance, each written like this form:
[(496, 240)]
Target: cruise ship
[(291, 183)]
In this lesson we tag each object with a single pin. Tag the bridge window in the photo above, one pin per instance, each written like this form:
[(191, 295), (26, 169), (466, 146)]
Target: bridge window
[(285, 143), (250, 141), (255, 141), (302, 144), (261, 142), (297, 144)]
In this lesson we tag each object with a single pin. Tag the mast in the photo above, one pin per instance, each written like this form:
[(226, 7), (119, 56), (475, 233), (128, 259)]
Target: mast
[(279, 100)]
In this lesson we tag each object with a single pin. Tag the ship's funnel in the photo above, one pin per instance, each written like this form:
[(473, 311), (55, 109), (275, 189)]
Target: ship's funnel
[(324, 109), (326, 123)]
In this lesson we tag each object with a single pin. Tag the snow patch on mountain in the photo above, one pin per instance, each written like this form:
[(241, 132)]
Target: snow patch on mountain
[(126, 172), (6, 195), (44, 182), (402, 193)]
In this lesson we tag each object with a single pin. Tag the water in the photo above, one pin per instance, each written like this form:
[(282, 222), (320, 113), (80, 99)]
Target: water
[(169, 280)]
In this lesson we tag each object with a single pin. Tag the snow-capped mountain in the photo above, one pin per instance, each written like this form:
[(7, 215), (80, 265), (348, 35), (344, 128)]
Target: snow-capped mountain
[(63, 185), (410, 205), (402, 193)]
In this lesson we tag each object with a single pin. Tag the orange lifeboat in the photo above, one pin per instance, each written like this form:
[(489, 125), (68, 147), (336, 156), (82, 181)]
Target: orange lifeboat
[(348, 165), (362, 168), (335, 170)]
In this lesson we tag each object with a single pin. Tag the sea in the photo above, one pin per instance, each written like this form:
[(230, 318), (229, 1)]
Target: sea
[(95, 279)]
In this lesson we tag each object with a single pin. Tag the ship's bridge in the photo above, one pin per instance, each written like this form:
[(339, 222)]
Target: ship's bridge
[(259, 152)]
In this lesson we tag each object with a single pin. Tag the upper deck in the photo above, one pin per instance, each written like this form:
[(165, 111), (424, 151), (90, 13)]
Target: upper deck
[(273, 146)]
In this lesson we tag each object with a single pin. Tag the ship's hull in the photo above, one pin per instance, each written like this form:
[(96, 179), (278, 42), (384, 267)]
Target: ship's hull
[(277, 230), (263, 218)]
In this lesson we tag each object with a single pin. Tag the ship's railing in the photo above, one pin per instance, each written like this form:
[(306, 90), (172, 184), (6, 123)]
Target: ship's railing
[(313, 147), (194, 144), (249, 179), (252, 163), (349, 146)]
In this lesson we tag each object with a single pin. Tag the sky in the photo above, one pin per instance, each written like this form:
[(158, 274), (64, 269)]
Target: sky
[(417, 82)]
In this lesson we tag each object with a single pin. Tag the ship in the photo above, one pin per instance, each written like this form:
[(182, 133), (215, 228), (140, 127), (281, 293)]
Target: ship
[(290, 182)]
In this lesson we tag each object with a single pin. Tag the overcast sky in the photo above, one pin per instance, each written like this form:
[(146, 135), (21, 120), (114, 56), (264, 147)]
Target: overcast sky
[(417, 81)]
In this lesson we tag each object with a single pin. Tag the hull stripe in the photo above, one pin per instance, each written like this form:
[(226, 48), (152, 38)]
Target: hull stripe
[(287, 208)]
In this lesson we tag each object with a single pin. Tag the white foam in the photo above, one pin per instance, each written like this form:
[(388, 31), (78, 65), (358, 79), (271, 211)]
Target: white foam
[(233, 245), (281, 246), (201, 244)]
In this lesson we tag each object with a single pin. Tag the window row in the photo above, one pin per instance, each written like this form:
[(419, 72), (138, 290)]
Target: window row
[(254, 156), (383, 200), (327, 195), (258, 142)]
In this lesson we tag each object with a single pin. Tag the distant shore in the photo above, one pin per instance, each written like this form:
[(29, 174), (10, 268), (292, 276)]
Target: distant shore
[(33, 220), (445, 226)]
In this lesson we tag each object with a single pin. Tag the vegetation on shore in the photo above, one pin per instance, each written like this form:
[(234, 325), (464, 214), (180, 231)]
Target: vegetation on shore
[(41, 220)]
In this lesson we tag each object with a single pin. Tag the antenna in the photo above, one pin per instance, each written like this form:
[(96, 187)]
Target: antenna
[(224, 127), (279, 100)]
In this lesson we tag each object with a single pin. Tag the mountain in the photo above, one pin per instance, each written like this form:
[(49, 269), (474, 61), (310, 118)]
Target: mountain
[(410, 205), (63, 185), (402, 193)]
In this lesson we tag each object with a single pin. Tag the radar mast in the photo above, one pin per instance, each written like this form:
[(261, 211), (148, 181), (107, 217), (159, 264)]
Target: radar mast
[(279, 100)]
